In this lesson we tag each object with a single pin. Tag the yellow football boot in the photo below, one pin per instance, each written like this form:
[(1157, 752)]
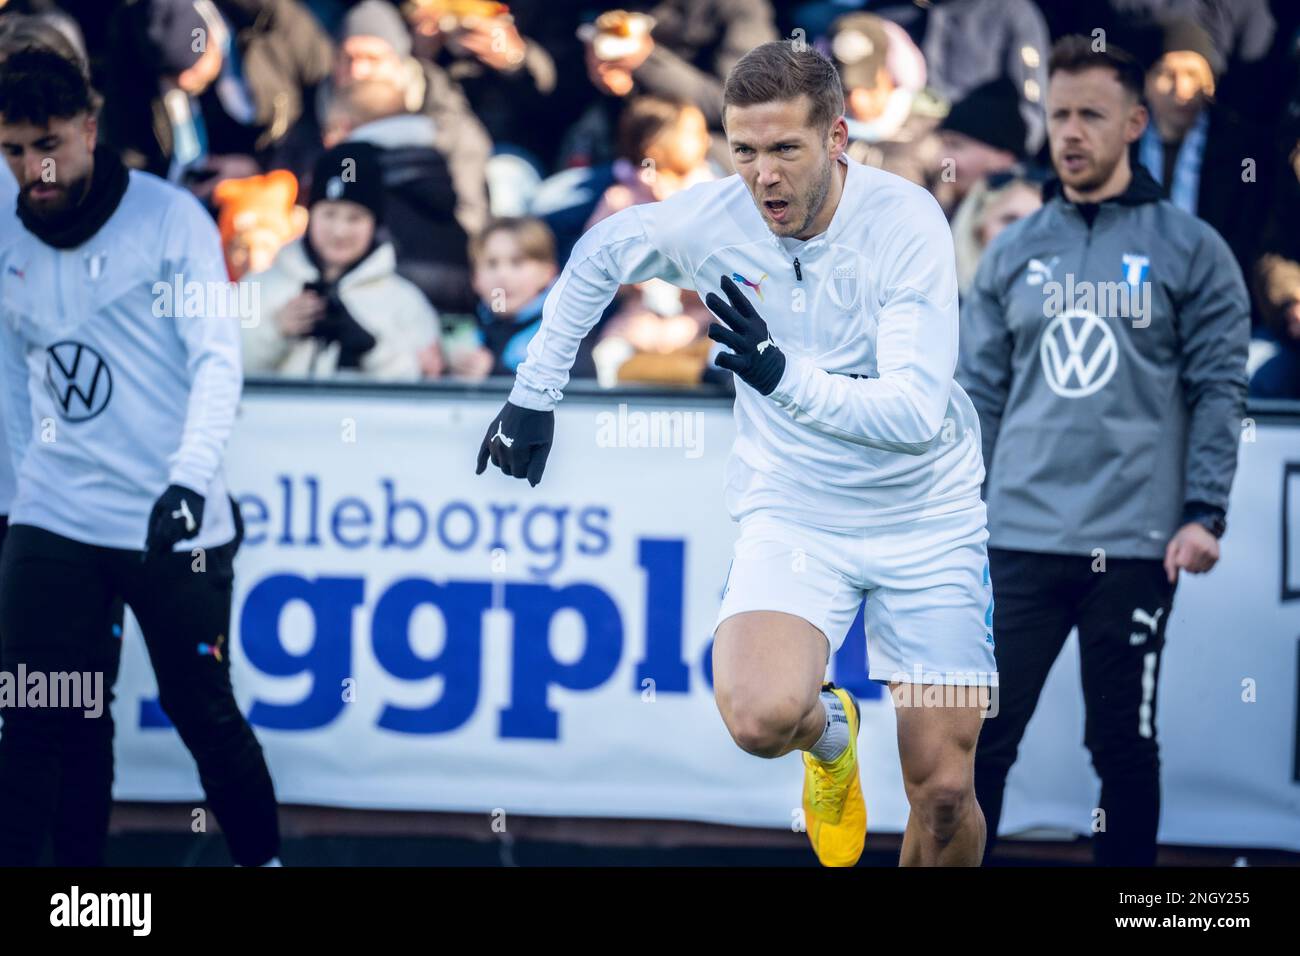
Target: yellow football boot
[(834, 810)]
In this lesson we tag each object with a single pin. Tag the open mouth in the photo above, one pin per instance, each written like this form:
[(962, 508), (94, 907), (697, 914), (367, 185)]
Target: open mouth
[(776, 208), (1074, 161)]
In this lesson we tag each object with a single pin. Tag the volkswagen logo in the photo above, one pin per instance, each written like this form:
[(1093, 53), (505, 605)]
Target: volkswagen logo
[(1079, 353), (79, 380)]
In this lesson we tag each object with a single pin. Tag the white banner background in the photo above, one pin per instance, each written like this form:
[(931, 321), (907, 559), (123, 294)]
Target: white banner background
[(616, 749)]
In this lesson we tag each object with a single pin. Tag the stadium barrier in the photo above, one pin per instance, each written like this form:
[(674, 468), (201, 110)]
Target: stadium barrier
[(408, 635)]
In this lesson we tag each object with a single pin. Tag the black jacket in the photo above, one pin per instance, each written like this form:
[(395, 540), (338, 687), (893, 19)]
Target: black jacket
[(284, 54), (420, 211)]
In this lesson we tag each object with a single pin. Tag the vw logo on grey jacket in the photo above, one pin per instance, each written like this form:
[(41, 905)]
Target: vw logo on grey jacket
[(1107, 363)]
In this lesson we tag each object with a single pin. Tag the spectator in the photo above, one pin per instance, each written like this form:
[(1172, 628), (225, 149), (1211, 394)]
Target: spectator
[(90, 17), (991, 206), (420, 196), (376, 45), (1277, 288), (968, 44), (1242, 31), (889, 123), (256, 218), (662, 147), (19, 29), (233, 103), (514, 268), (508, 78), (982, 135), (1208, 162), (333, 300), (681, 50), (1279, 375), (690, 48)]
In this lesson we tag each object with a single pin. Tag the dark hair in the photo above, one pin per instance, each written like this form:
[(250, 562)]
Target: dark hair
[(37, 85), (783, 70), (1075, 53), (644, 119)]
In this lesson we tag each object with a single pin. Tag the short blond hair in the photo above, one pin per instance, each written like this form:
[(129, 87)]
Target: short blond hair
[(534, 237)]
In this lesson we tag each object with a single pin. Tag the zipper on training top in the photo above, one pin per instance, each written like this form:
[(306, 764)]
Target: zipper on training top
[(797, 274)]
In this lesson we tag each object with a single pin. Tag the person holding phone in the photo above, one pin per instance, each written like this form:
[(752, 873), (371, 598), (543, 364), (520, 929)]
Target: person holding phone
[(333, 301)]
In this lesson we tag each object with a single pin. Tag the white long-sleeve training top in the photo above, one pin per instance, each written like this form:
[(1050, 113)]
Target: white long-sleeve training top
[(109, 395), (867, 427)]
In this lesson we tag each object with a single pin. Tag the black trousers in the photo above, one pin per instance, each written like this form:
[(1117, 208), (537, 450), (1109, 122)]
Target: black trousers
[(1121, 614), (80, 825), (58, 600)]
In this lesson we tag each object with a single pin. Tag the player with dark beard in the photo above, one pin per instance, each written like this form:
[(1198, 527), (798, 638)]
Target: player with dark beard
[(117, 416)]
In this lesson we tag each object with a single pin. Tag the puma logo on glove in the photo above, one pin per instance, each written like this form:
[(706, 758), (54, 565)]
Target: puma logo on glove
[(524, 454), (184, 512), (177, 516)]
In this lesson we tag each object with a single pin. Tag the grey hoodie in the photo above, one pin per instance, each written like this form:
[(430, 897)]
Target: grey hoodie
[(1107, 364)]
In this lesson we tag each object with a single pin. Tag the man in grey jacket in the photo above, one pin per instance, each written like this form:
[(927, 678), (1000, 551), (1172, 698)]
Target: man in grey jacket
[(1104, 347)]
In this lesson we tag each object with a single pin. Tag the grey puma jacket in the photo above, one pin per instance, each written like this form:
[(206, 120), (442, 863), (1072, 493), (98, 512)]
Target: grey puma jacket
[(1107, 363)]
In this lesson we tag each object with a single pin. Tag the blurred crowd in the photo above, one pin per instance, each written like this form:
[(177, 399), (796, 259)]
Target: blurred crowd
[(485, 137)]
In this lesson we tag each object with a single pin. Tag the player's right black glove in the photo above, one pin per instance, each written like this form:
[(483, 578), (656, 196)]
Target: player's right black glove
[(517, 442)]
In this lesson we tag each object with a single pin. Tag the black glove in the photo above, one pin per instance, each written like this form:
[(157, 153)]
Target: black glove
[(518, 441), (176, 516), (338, 325), (754, 357)]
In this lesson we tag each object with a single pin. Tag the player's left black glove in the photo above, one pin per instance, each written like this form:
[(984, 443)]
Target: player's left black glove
[(176, 516), (754, 357)]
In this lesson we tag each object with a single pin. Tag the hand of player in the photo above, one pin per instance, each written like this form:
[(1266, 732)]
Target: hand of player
[(177, 516), (754, 357), (518, 442), (1193, 549)]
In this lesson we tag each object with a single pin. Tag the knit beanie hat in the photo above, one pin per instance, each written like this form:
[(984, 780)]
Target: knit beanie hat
[(350, 172), (991, 114)]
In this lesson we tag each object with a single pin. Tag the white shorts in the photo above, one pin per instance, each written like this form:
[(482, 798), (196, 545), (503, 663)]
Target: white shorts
[(929, 613)]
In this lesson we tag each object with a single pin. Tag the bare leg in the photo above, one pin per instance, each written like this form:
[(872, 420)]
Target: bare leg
[(936, 745), (768, 669)]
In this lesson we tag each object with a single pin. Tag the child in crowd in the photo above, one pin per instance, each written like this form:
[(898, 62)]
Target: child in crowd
[(332, 301), (257, 217), (514, 267)]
